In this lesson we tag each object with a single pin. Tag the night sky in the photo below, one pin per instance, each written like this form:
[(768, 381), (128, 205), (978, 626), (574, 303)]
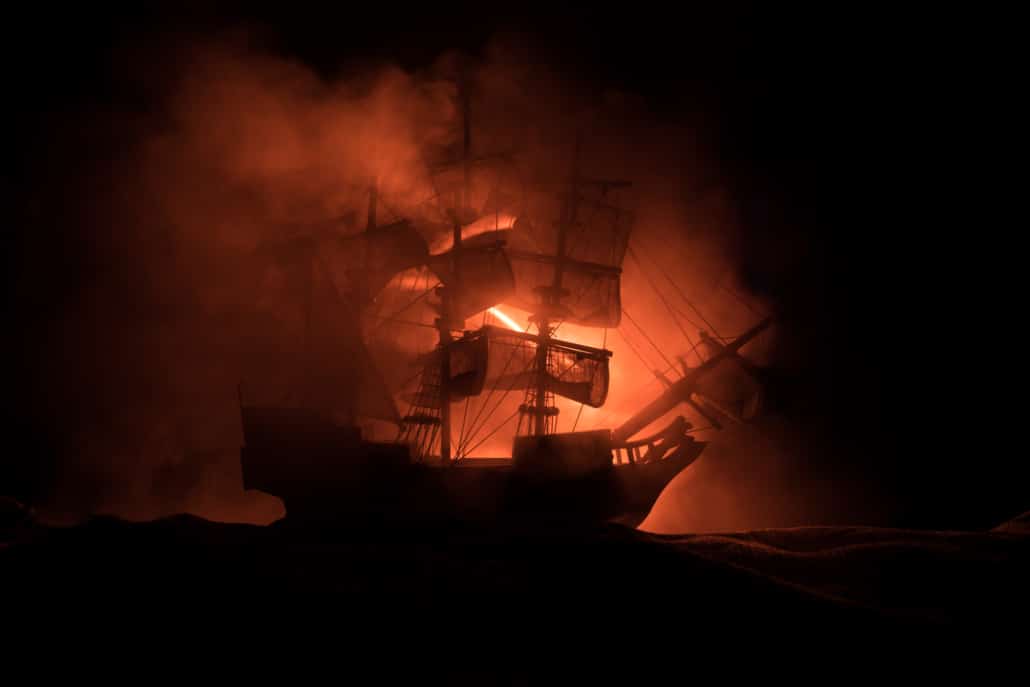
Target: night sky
[(816, 124)]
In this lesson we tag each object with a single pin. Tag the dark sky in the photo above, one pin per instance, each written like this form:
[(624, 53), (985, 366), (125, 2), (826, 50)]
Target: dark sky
[(816, 123)]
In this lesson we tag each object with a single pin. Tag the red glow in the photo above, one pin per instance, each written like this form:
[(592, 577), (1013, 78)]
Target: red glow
[(496, 312)]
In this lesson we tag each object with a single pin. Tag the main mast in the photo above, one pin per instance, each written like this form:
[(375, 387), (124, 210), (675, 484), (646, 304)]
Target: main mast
[(448, 294), (550, 304)]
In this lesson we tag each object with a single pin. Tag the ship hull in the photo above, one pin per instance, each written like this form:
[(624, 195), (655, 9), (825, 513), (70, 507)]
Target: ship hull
[(322, 474), (361, 488)]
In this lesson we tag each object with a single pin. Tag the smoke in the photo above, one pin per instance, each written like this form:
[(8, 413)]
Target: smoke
[(155, 307), (161, 307)]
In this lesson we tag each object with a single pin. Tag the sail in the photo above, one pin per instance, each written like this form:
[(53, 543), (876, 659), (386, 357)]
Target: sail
[(574, 371), (578, 374), (364, 263), (344, 378), (492, 187), (484, 273), (322, 362), (591, 293), (359, 265), (591, 267), (732, 387), (505, 360), (469, 358)]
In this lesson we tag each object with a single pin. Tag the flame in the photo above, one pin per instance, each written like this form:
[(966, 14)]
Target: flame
[(505, 319)]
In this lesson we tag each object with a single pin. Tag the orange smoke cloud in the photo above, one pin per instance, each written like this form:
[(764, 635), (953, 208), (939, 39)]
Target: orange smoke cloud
[(248, 149)]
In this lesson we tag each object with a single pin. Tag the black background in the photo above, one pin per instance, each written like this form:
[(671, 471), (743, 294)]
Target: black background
[(842, 134)]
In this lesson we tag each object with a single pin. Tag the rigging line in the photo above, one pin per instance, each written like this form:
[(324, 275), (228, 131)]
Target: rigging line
[(595, 279), (493, 431), (743, 302), (694, 345), (646, 336), (511, 387), (672, 311), (631, 398), (395, 320), (461, 432), (410, 379), (379, 303), (634, 349), (696, 352), (604, 342), (654, 287), (472, 428), (413, 302), (582, 230), (682, 294), (578, 413), (687, 319), (564, 372), (477, 430), (392, 209)]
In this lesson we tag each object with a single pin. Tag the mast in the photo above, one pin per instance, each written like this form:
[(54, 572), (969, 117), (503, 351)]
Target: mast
[(551, 298), (449, 293), (681, 390)]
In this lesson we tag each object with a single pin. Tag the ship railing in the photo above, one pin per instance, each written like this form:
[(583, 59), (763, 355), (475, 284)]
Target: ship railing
[(655, 447)]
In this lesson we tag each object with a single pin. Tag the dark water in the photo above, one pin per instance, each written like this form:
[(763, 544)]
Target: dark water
[(544, 581)]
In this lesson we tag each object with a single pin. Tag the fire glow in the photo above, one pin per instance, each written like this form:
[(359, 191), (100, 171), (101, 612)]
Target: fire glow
[(505, 319)]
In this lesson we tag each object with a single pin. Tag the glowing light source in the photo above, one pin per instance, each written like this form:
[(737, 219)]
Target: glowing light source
[(505, 319)]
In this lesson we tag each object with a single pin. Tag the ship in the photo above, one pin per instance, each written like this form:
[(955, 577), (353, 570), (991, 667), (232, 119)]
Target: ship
[(553, 249)]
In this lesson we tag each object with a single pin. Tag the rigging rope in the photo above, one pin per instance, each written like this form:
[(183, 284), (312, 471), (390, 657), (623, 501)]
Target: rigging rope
[(631, 398), (407, 322), (672, 311), (493, 431), (413, 302), (604, 342), (646, 336), (464, 416), (473, 429), (461, 432), (634, 349), (578, 413), (682, 295), (477, 430), (743, 302)]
